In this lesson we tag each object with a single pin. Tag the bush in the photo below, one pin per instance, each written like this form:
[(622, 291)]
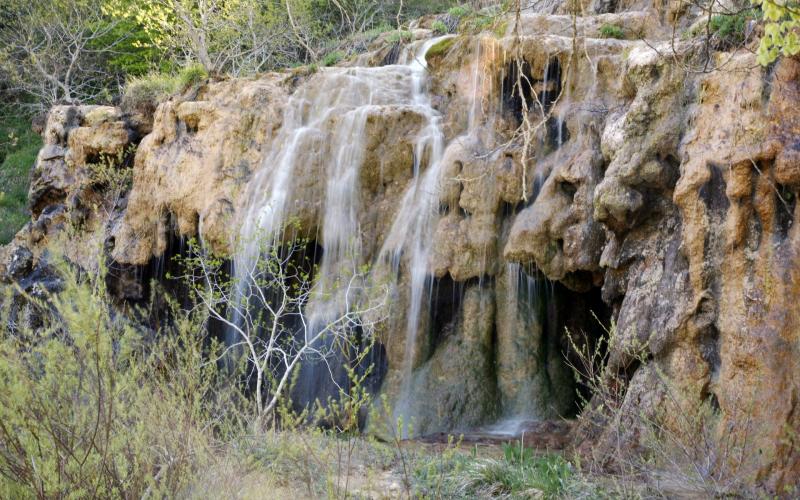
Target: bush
[(781, 23), (145, 93), (191, 75), (92, 406), (475, 22), (332, 58), (402, 36), (440, 28), (458, 11), (612, 31), (729, 30)]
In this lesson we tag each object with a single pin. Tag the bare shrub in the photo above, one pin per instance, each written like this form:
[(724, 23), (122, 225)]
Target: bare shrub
[(676, 445)]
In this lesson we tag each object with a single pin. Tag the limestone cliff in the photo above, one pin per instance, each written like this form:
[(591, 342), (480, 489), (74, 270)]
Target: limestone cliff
[(657, 191)]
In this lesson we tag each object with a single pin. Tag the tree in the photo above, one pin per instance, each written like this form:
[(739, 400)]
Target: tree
[(225, 36), (278, 317), (55, 51), (781, 30)]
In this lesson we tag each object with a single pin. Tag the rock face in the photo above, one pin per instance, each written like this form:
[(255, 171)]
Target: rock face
[(640, 191)]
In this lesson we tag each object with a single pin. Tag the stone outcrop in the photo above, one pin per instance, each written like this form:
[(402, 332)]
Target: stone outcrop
[(647, 193)]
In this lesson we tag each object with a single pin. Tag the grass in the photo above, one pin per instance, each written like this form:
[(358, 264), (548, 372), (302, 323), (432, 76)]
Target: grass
[(612, 31), (145, 92), (19, 146), (518, 473)]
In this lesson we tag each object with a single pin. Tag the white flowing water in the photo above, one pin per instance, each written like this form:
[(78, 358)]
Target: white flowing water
[(411, 234), (324, 126)]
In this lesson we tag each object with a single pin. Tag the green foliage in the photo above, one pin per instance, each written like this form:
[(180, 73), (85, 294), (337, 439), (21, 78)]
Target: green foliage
[(191, 75), (92, 406), (440, 28), (19, 146), (612, 31), (730, 29), (113, 174), (146, 92), (413, 9), (440, 476), (500, 29), (459, 11), (473, 22), (781, 29), (135, 52), (332, 58), (125, 40), (519, 473), (402, 36)]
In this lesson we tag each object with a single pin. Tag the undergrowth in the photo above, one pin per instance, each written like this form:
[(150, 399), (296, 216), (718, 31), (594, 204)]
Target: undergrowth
[(144, 93), (96, 405), (19, 145)]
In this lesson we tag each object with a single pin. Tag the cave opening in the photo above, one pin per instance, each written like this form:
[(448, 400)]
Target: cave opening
[(521, 90), (581, 320), (551, 84), (149, 291), (445, 304), (574, 321)]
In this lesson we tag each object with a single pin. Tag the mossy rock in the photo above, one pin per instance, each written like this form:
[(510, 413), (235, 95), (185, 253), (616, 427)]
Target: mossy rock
[(440, 49)]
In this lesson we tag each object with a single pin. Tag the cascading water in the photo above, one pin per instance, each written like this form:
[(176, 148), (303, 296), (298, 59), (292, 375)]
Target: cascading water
[(411, 234), (324, 124)]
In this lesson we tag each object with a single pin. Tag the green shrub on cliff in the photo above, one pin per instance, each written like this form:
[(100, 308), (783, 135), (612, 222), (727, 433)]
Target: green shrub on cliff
[(459, 11), (191, 75), (612, 31), (146, 92), (730, 30), (332, 58), (439, 28), (403, 36)]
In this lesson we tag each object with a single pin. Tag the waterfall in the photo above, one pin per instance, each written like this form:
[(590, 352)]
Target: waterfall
[(324, 125), (411, 234)]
